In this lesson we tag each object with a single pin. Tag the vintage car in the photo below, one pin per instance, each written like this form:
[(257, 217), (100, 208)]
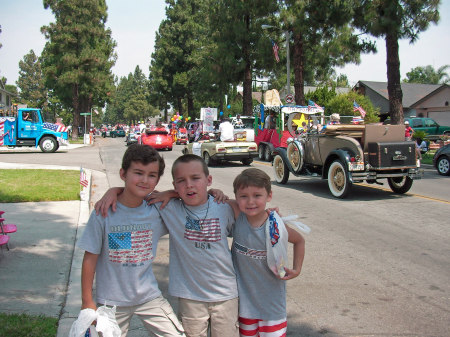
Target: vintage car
[(347, 154), (159, 138), (216, 151)]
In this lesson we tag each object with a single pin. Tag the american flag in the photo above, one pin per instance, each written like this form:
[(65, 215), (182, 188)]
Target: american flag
[(356, 107), (2, 129), (275, 50), (206, 230), (83, 178), (311, 103), (357, 120), (55, 127), (253, 253), (132, 248)]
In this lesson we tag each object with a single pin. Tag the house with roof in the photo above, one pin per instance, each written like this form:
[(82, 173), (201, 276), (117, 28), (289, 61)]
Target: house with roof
[(419, 100), (6, 99)]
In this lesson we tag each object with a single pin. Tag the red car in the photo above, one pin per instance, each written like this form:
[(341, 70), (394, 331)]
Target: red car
[(160, 139)]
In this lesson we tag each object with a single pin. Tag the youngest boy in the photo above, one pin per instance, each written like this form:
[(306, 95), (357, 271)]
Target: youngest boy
[(262, 295), (120, 250)]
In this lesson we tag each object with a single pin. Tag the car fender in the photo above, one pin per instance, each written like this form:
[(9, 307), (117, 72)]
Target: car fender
[(283, 154), (340, 154)]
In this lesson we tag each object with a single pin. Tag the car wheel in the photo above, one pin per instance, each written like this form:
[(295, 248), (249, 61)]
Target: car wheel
[(400, 185), (207, 159), (247, 161), (48, 144), (261, 148), (338, 181), (280, 169), (295, 157), (443, 166), (268, 153)]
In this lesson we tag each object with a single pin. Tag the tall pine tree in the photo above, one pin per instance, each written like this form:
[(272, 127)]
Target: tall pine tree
[(78, 56)]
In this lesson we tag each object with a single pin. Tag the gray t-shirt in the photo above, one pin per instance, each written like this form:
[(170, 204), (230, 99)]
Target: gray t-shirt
[(261, 294), (201, 267), (126, 242)]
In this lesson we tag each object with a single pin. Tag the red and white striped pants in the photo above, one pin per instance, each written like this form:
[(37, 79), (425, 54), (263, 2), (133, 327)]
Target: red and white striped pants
[(249, 327)]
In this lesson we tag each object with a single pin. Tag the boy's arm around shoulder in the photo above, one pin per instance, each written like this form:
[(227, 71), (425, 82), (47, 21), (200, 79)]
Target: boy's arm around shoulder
[(108, 200), (298, 241)]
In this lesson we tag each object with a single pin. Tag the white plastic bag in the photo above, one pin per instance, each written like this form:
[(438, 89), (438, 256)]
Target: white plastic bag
[(106, 323), (297, 224), (276, 244)]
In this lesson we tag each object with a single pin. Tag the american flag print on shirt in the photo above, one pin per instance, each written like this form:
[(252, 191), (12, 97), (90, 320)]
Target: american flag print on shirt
[(253, 253), (130, 248), (206, 230)]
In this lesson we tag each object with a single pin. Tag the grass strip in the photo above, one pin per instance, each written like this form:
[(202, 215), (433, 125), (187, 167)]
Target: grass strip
[(29, 185), (22, 325)]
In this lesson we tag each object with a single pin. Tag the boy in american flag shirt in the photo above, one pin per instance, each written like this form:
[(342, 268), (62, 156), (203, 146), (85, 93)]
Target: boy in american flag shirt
[(119, 250)]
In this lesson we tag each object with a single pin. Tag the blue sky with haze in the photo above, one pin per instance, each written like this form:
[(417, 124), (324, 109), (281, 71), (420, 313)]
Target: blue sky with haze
[(135, 22)]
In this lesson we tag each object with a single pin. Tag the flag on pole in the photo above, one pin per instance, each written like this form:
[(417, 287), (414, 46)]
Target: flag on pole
[(313, 104), (83, 178), (275, 50), (356, 107)]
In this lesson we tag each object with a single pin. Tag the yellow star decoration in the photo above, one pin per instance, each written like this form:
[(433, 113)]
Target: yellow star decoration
[(299, 121)]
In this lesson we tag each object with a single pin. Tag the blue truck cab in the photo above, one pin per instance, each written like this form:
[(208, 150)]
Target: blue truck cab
[(30, 129)]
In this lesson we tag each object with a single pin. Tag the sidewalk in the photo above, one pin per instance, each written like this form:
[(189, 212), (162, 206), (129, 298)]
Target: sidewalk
[(41, 273)]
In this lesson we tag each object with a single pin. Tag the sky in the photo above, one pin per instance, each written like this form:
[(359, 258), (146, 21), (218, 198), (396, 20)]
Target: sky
[(134, 24)]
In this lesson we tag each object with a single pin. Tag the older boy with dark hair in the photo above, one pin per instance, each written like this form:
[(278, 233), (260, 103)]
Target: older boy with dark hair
[(119, 250)]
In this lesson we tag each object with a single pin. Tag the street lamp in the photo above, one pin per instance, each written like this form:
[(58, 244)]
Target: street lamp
[(288, 63)]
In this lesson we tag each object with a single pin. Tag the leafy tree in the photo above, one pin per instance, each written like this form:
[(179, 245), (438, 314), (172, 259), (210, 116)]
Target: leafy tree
[(343, 105), (394, 20), (322, 39), (78, 56), (129, 102), (31, 82), (342, 81), (428, 75)]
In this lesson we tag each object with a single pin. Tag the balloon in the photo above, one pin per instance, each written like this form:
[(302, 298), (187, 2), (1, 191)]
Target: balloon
[(189, 118), (221, 113), (228, 106)]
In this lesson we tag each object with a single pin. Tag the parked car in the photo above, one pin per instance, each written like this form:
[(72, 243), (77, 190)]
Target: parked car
[(119, 132), (426, 124), (214, 152), (132, 138), (441, 160), (160, 139), (347, 154)]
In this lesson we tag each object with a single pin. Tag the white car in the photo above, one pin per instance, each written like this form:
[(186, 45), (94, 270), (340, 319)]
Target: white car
[(243, 128)]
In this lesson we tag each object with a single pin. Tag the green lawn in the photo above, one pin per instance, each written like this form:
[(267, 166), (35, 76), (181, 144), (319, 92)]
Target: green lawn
[(35, 185), (39, 185)]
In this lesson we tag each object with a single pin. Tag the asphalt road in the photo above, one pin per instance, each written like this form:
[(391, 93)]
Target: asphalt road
[(377, 263)]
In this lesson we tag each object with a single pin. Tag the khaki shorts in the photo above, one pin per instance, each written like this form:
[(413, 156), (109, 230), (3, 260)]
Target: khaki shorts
[(196, 315), (157, 315)]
